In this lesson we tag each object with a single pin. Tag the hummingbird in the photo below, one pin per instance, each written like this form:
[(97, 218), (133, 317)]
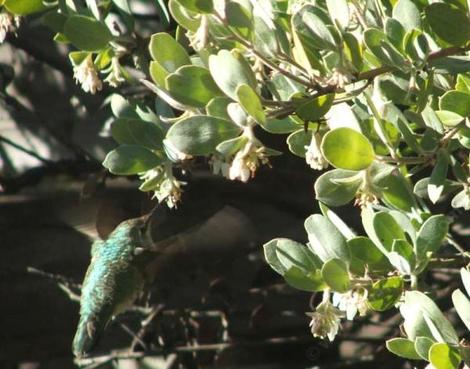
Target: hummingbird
[(113, 281), (136, 251)]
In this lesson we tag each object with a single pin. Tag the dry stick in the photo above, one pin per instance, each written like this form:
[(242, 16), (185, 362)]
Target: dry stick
[(64, 283), (115, 355), (26, 151), (371, 74)]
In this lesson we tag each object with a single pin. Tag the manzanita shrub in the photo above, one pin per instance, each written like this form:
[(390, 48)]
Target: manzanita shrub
[(374, 92)]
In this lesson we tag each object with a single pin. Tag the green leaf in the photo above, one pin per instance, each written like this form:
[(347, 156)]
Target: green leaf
[(200, 134), (422, 347), (450, 24), (192, 85), (217, 107), (270, 255), (325, 239), (251, 103), (131, 159), (418, 303), (298, 141), (239, 17), (406, 12), (314, 109), (158, 73), (311, 282), (347, 232), (346, 148), (353, 50), (385, 293), (402, 257), (408, 135), (137, 132), (462, 305), (294, 254), (432, 121), (185, 18), (438, 176), (331, 190), (365, 250), (165, 96), (55, 21), (394, 188), (442, 356), (451, 64), (457, 102), (387, 230), (462, 200), (121, 108), (168, 52), (319, 32), (229, 71), (336, 276), (265, 39), (280, 126), (403, 347), (339, 12), (421, 187), (395, 32), (377, 42), (232, 146), (431, 235), (463, 83), (87, 33), (24, 7), (93, 6), (465, 275), (449, 118), (198, 6)]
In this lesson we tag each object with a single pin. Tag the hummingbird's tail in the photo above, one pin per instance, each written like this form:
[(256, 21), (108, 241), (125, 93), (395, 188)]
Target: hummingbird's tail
[(88, 330)]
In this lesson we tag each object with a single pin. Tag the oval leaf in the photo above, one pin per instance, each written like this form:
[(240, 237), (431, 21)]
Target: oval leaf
[(336, 276), (131, 159), (403, 347), (326, 241), (200, 134), (448, 23), (168, 52), (442, 356), (87, 33), (346, 148)]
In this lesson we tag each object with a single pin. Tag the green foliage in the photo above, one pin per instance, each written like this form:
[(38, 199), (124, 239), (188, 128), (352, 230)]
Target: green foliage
[(381, 92)]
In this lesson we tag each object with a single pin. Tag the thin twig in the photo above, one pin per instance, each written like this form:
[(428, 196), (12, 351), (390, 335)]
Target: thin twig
[(26, 151), (116, 355)]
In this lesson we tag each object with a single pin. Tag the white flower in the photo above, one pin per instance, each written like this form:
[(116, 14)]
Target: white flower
[(239, 168), (247, 161), (325, 320), (170, 191), (86, 75), (313, 155), (114, 78), (339, 78), (8, 23), (351, 302), (220, 166)]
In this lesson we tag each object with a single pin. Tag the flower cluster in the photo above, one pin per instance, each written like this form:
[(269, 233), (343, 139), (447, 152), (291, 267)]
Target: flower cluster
[(8, 23), (325, 320), (115, 77), (352, 302), (244, 164), (86, 75), (313, 155)]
